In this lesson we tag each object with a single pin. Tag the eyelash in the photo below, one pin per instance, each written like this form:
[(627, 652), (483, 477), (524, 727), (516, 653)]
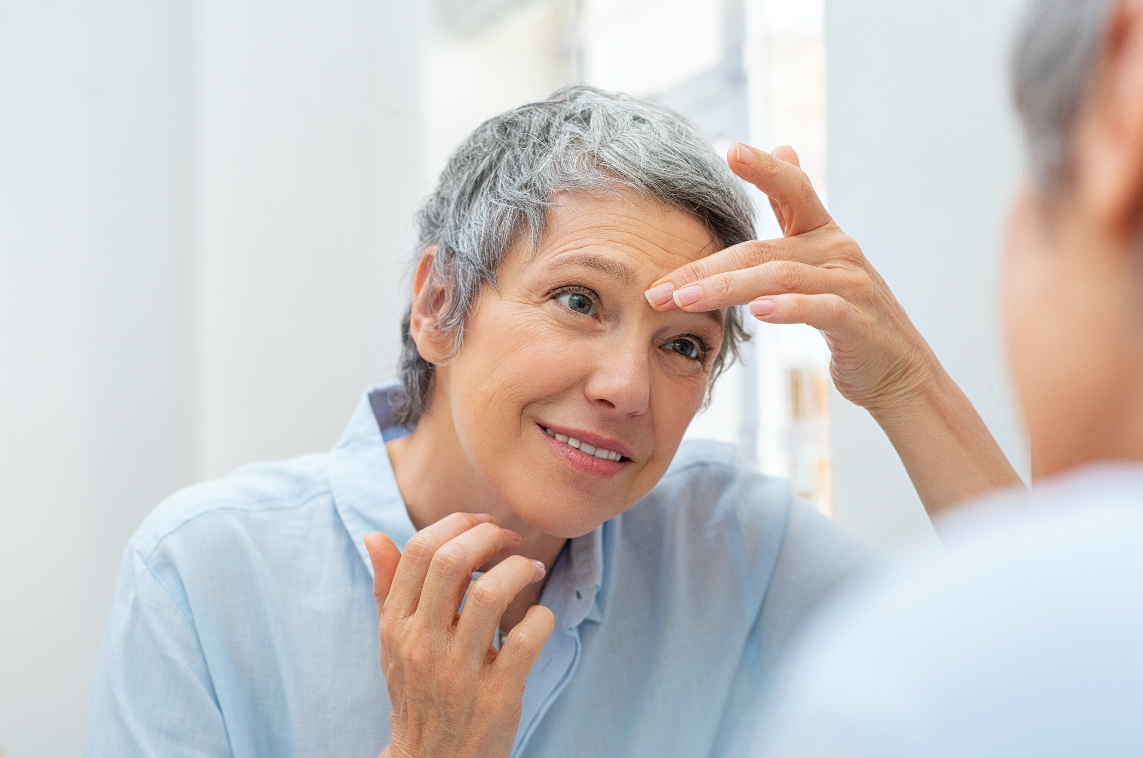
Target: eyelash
[(700, 343)]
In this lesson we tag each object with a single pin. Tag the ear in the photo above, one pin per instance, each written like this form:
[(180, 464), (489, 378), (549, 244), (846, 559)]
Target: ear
[(430, 302), (1109, 147)]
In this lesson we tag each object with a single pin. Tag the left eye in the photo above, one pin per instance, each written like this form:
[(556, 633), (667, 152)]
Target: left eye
[(578, 302), (684, 346)]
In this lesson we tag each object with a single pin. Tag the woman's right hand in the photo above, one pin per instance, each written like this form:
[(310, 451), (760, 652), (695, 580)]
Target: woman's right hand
[(452, 693)]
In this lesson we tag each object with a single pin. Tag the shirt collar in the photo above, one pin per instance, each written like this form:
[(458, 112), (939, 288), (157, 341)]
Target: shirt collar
[(573, 590), (361, 477), (368, 500)]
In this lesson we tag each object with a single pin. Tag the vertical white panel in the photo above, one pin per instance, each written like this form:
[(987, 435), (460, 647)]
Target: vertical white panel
[(94, 391), (924, 154), (308, 168), (203, 215)]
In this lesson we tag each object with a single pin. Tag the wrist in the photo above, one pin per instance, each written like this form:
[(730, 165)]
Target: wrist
[(923, 392)]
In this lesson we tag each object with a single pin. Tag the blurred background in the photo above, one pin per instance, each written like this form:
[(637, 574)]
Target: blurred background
[(205, 229)]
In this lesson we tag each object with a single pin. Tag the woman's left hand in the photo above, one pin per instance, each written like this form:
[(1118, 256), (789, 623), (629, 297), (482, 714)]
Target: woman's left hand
[(815, 275)]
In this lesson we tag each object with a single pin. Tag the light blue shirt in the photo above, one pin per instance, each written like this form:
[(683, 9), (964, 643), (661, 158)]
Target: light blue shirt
[(1026, 639), (244, 624)]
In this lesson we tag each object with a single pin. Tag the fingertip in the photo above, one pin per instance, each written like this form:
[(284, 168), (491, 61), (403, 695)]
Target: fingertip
[(786, 154), (743, 154), (544, 617), (660, 294), (373, 542), (484, 517), (762, 308)]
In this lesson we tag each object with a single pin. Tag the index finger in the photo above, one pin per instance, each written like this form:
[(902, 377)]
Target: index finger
[(405, 591), (784, 183), (744, 255)]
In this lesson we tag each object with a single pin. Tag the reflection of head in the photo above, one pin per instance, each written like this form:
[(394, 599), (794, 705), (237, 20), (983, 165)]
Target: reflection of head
[(501, 180), (1054, 66)]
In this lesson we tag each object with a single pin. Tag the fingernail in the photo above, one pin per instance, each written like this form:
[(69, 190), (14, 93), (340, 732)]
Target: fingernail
[(484, 517), (540, 570), (761, 308), (744, 154), (688, 295), (513, 535), (660, 295)]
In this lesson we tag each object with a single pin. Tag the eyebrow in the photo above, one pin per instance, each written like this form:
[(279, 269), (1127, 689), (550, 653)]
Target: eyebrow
[(614, 269), (617, 270)]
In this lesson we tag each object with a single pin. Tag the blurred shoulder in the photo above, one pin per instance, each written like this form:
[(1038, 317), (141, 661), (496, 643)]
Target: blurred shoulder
[(1021, 626)]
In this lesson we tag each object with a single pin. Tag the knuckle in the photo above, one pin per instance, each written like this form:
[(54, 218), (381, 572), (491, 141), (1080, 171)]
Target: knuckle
[(846, 248), (747, 255), (838, 310), (418, 656), (690, 273), (448, 559), (420, 547), (786, 276), (795, 309), (486, 592), (718, 288)]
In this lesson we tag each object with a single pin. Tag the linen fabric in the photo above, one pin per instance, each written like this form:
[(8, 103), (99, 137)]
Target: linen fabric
[(244, 624)]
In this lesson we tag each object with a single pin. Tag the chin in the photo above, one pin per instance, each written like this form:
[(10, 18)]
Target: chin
[(561, 513)]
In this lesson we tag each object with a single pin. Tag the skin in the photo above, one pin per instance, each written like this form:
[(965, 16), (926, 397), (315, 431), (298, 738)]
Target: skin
[(818, 275), (1073, 289), (630, 372), (565, 339)]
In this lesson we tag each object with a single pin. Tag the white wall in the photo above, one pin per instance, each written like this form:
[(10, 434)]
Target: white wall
[(307, 155), (924, 153), (203, 215)]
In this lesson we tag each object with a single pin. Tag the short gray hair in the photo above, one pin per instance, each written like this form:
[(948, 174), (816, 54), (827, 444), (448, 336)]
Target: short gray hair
[(502, 180), (1054, 64)]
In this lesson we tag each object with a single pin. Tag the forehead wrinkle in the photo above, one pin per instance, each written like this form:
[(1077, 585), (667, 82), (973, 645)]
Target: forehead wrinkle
[(613, 268)]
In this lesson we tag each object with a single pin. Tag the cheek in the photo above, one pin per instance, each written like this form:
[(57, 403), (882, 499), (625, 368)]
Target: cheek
[(511, 357)]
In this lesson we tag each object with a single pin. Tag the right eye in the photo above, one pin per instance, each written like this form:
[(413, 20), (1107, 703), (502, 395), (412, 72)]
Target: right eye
[(578, 302)]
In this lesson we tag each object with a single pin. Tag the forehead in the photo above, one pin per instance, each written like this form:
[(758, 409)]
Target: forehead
[(641, 235)]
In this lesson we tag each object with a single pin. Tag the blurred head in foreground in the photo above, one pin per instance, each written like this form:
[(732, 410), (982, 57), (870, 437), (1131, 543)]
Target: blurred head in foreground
[(1073, 293), (1023, 636)]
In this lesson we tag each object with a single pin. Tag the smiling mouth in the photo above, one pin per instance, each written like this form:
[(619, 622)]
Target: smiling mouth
[(583, 447)]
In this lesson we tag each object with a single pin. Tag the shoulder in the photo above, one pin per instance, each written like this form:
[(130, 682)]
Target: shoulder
[(242, 498), (1021, 626), (718, 470), (709, 483)]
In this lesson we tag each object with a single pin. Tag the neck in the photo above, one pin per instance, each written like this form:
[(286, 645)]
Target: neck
[(436, 478)]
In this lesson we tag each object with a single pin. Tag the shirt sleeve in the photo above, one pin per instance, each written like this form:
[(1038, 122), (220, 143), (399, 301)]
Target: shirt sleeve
[(817, 557), (153, 694)]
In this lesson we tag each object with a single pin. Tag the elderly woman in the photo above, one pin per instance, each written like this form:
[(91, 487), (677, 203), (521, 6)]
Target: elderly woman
[(570, 312)]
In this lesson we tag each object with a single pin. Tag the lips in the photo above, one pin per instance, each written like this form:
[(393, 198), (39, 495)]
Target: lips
[(597, 456), (584, 447)]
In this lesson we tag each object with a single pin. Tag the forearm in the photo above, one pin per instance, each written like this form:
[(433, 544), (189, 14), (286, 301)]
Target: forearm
[(946, 448)]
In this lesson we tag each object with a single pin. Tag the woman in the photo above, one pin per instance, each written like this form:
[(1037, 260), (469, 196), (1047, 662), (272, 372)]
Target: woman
[(631, 597)]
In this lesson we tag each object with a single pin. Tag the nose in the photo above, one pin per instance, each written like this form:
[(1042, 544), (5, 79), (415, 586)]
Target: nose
[(621, 380)]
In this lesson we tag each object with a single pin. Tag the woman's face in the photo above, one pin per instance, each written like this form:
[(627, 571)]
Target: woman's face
[(565, 348)]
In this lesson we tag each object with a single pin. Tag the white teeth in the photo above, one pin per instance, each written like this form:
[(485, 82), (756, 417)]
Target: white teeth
[(598, 452)]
